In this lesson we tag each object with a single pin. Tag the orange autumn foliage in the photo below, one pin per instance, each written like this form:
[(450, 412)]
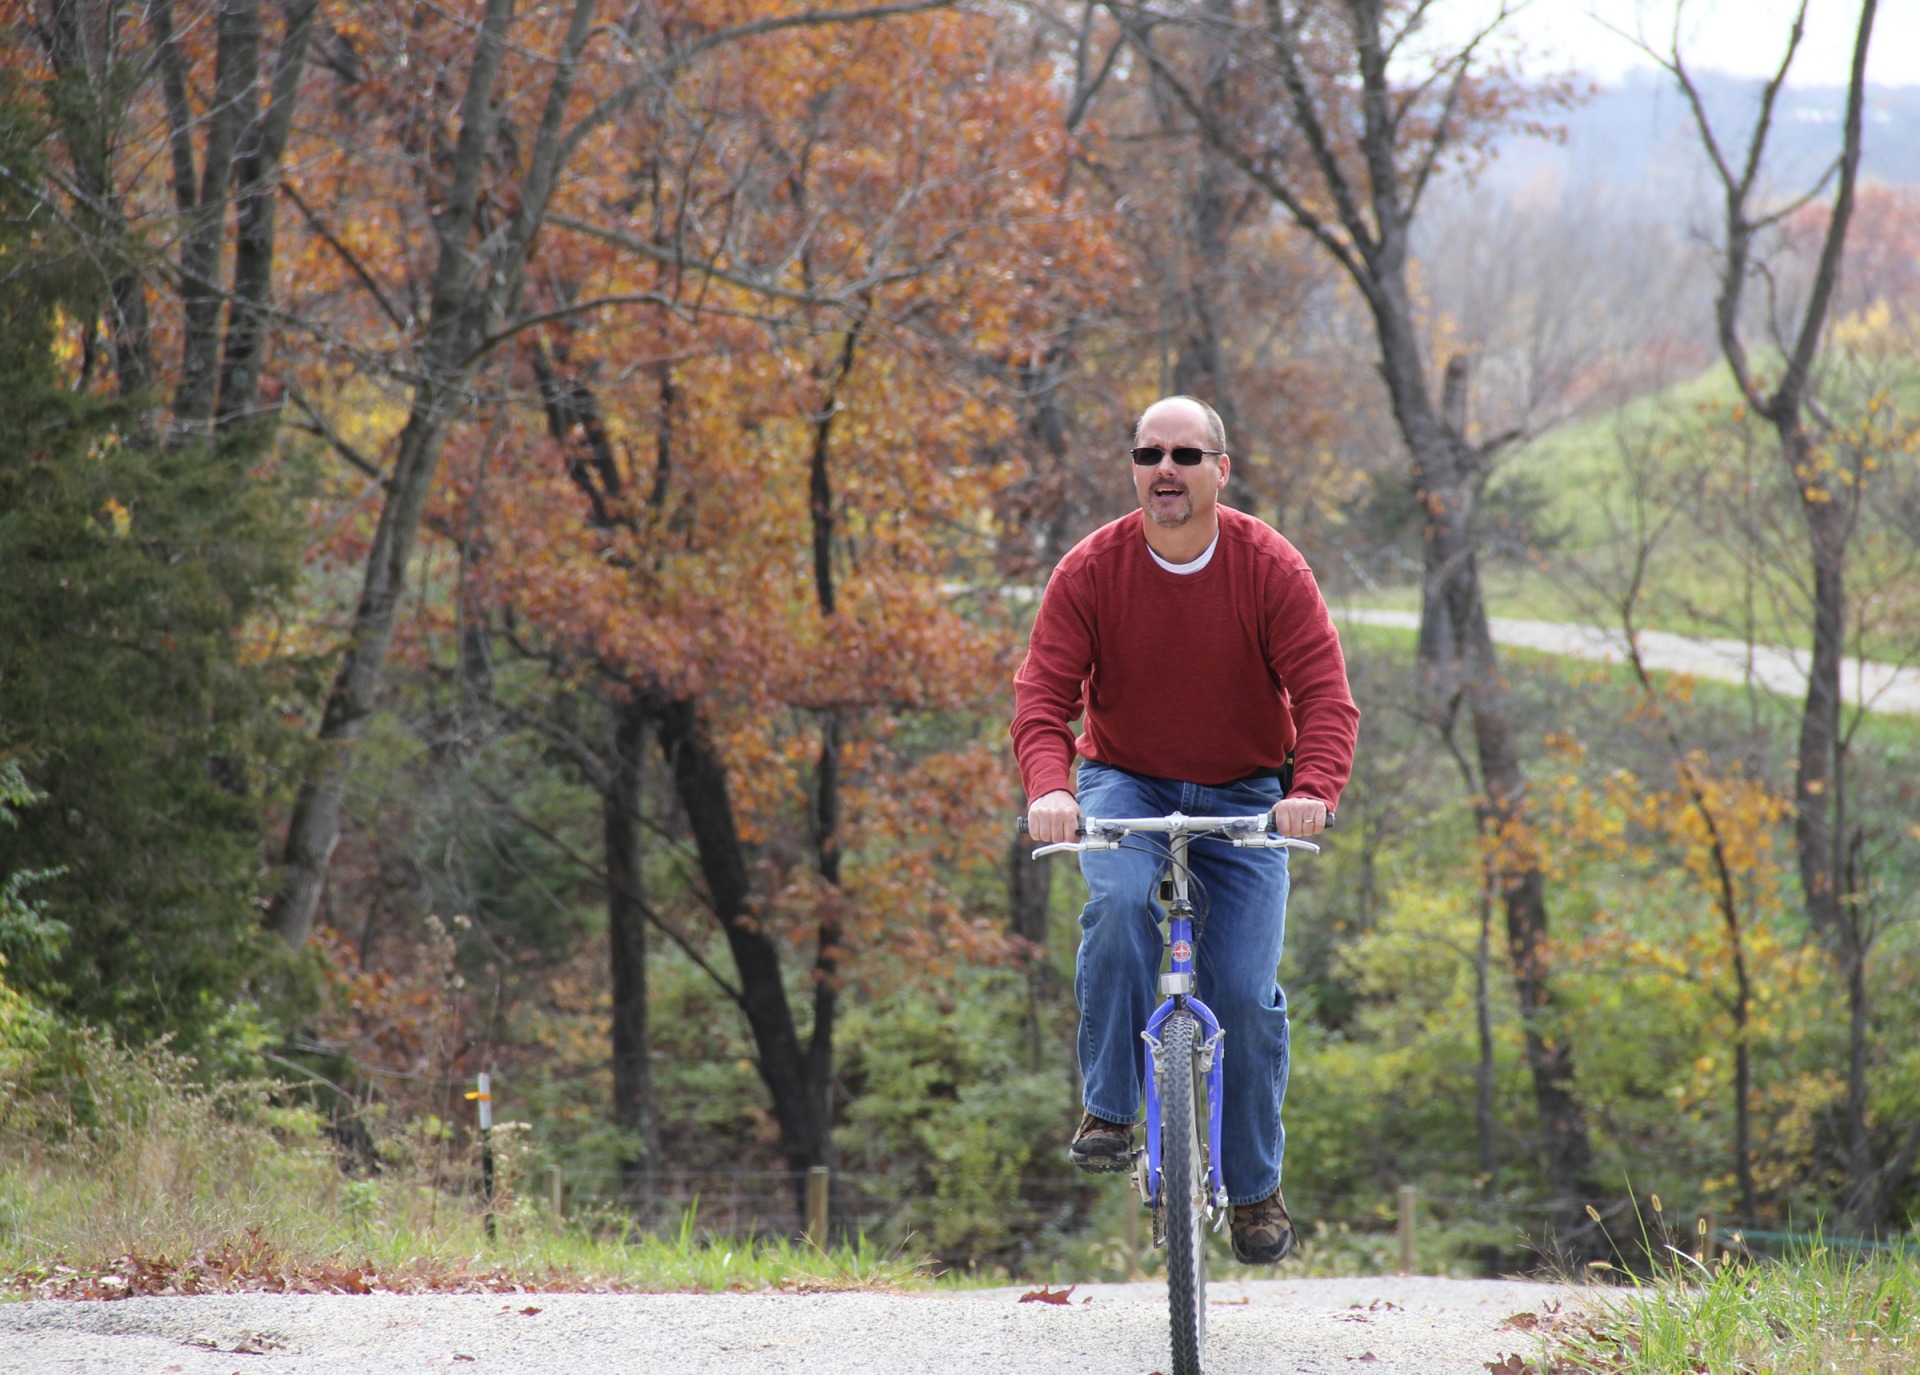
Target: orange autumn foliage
[(860, 230)]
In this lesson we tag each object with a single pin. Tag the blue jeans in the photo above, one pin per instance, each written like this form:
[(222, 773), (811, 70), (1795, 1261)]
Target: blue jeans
[(1235, 963)]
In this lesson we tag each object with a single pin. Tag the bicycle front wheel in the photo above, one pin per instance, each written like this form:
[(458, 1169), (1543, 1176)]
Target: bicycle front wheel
[(1184, 1187)]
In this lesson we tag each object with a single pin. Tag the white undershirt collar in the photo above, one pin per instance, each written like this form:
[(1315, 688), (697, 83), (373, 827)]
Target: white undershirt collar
[(1206, 556)]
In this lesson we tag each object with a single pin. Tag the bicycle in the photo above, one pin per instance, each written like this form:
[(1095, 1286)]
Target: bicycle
[(1178, 1171)]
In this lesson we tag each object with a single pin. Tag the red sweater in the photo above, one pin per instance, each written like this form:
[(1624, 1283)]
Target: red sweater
[(1201, 677)]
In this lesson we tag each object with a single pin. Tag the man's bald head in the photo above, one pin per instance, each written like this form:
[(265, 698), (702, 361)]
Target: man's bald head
[(1216, 429)]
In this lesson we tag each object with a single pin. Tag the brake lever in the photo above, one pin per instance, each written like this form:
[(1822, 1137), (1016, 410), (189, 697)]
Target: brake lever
[(1275, 842)]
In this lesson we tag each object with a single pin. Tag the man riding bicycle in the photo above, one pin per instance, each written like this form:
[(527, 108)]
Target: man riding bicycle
[(1192, 642)]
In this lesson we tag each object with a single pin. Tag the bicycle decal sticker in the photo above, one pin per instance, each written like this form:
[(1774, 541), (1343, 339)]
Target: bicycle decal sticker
[(1182, 950)]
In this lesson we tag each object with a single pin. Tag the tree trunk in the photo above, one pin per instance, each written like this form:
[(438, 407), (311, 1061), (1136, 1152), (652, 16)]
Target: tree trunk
[(1486, 1128), (627, 946), (1029, 896), (1859, 1017), (700, 782), (1828, 508), (461, 304), (1445, 474), (314, 829), (237, 140), (1050, 500), (1029, 909), (84, 116), (827, 953), (236, 75), (1200, 365), (824, 821), (1819, 784), (259, 160), (1815, 793), (1030, 881)]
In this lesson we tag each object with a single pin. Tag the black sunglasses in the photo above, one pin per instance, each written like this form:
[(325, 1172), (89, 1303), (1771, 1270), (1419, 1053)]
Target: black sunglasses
[(1185, 457)]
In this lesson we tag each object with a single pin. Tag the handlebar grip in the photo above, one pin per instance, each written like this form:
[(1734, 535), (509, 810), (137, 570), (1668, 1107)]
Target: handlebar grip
[(1020, 828)]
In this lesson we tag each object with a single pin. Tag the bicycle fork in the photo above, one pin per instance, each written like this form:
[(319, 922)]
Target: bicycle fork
[(1176, 986)]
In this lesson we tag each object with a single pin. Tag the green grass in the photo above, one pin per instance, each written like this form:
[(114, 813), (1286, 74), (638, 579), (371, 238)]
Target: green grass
[(1878, 733), (1698, 581), (119, 1174), (1818, 1313), (305, 1250)]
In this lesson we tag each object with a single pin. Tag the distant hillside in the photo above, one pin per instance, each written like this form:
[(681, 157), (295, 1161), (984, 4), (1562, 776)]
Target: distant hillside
[(1637, 139)]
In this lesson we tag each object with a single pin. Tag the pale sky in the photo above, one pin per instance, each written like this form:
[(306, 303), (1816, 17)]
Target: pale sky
[(1743, 37)]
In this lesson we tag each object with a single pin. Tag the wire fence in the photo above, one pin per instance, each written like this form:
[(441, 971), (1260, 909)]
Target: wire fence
[(892, 1209), (774, 1202), (1011, 1222), (1018, 1217)]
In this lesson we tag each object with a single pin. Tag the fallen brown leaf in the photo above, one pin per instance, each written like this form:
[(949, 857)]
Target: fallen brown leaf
[(1045, 1295)]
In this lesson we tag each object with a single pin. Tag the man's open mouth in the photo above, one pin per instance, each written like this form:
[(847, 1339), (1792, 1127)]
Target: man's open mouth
[(1168, 489)]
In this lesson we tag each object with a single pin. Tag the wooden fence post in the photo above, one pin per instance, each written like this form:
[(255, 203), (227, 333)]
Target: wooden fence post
[(817, 1180), (1409, 1197), (483, 1095)]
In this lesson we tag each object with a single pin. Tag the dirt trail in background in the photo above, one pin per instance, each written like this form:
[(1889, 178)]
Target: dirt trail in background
[(1403, 1326), (1883, 687)]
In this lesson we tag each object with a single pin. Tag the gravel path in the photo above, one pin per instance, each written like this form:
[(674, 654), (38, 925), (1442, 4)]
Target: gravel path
[(1385, 1326), (1892, 688)]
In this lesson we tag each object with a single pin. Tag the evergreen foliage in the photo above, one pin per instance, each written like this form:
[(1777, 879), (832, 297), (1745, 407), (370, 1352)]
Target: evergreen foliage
[(126, 695)]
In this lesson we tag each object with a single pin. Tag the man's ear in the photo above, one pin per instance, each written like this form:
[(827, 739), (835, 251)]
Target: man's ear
[(1226, 466)]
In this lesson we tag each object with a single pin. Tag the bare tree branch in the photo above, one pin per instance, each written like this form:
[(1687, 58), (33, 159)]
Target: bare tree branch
[(1283, 34), (347, 256), (1282, 193), (587, 307), (661, 70), (1827, 276), (601, 877)]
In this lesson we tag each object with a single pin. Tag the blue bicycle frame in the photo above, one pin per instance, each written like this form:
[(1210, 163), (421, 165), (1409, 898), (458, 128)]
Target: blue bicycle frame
[(1186, 1266), (1177, 985)]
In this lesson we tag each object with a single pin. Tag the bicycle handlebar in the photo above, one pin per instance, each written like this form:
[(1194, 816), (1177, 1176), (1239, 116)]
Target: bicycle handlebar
[(1193, 823), (1244, 832)]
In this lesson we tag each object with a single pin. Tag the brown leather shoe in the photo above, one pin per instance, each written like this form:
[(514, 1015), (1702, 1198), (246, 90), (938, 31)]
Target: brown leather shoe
[(1262, 1232), (1102, 1147)]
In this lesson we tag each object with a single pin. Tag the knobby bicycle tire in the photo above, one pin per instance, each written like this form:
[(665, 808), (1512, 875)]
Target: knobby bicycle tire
[(1184, 1186)]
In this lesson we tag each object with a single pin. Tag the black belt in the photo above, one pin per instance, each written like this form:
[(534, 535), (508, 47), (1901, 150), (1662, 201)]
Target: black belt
[(1284, 773)]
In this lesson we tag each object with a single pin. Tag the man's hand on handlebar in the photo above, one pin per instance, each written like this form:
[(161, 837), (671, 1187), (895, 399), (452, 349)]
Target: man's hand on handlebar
[(1299, 816), (1054, 818)]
